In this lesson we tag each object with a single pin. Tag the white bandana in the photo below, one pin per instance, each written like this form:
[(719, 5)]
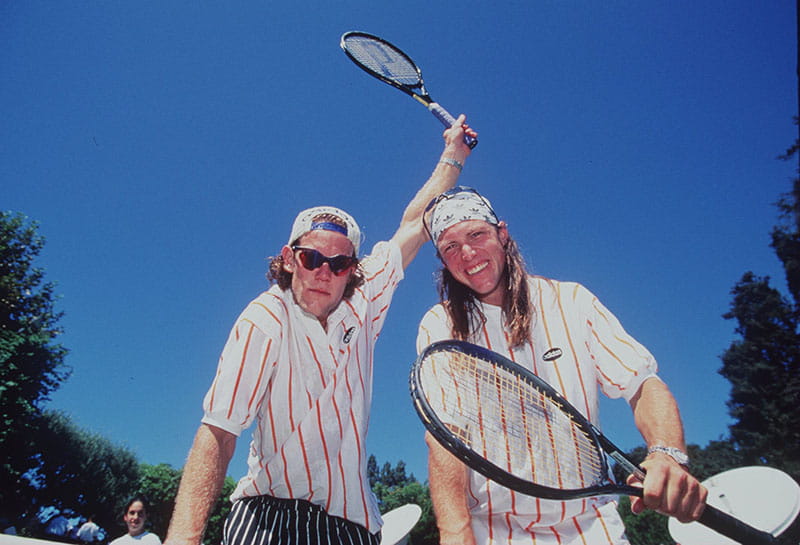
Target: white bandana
[(462, 204)]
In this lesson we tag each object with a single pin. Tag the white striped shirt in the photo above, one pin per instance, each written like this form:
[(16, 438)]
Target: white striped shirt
[(595, 351), (308, 392)]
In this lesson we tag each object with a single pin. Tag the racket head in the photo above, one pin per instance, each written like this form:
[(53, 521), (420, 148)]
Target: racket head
[(506, 423), (386, 62)]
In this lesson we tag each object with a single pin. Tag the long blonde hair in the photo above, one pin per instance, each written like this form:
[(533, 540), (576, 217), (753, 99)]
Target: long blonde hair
[(462, 306)]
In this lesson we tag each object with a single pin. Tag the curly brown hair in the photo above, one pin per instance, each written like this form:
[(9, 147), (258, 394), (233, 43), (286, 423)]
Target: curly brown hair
[(462, 304), (277, 272)]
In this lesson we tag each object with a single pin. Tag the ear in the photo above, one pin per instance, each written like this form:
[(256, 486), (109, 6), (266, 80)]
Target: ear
[(502, 232), (288, 259)]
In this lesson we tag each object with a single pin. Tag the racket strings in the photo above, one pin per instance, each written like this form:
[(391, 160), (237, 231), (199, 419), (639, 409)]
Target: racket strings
[(512, 424), (383, 59)]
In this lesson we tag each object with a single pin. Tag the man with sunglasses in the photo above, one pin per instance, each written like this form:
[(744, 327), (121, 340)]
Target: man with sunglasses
[(562, 333), (298, 365)]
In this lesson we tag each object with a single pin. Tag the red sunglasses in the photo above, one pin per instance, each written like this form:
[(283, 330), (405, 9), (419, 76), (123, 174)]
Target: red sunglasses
[(312, 259)]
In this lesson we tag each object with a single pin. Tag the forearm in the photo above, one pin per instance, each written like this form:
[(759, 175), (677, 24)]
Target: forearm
[(443, 177), (656, 415), (411, 234), (448, 486), (668, 486), (201, 483)]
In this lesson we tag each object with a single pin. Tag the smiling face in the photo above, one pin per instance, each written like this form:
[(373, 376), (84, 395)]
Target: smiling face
[(318, 292), (474, 253), (135, 517)]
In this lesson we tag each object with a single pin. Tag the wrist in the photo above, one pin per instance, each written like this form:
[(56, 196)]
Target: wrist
[(675, 453), (452, 162)]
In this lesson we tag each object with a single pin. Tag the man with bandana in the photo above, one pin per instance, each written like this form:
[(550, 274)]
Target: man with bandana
[(563, 334), (298, 366)]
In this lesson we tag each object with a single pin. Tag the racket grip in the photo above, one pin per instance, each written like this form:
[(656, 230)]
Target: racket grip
[(731, 527), (448, 121)]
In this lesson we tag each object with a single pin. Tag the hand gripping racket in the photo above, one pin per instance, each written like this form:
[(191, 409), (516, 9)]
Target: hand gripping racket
[(389, 64), (509, 425)]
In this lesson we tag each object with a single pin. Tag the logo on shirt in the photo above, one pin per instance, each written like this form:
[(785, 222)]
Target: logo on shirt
[(349, 334), (552, 354)]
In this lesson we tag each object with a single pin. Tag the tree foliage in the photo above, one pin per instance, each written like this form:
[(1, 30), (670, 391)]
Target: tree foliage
[(216, 520), (763, 366), (394, 489), (159, 483), (31, 361), (82, 471)]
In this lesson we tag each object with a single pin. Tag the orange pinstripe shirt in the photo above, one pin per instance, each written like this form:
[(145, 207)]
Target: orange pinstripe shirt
[(594, 353), (307, 392)]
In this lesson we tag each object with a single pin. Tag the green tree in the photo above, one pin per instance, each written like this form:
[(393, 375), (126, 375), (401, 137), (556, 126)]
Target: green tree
[(219, 513), (425, 531), (159, 483), (718, 456), (763, 366), (31, 361), (82, 471), (394, 489)]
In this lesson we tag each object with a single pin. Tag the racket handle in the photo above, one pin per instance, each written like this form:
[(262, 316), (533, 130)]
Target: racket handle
[(731, 527), (448, 121)]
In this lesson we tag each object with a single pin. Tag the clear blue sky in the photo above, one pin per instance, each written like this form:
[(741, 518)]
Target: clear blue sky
[(165, 148)]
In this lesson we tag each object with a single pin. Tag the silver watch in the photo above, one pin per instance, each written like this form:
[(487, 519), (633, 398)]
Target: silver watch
[(675, 453)]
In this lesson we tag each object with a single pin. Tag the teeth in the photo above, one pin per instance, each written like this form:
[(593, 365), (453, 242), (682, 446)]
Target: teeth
[(478, 268)]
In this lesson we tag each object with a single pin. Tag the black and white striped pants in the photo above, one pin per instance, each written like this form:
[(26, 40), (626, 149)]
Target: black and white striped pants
[(264, 520)]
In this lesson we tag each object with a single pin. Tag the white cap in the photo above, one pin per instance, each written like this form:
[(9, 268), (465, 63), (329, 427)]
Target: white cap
[(304, 222)]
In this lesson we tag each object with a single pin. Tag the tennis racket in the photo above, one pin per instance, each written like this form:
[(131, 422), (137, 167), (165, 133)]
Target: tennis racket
[(389, 64), (512, 427)]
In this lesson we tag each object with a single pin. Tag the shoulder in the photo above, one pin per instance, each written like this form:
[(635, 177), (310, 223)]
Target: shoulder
[(385, 257), (150, 538), (563, 289), (437, 313), (434, 326), (268, 310)]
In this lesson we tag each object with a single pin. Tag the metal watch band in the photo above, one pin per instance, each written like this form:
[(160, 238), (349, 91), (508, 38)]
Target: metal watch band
[(675, 453)]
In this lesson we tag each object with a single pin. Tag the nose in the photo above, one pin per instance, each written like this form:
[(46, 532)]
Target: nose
[(324, 271), (467, 252)]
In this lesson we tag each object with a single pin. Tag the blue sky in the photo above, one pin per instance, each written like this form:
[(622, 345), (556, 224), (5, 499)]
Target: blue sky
[(165, 147)]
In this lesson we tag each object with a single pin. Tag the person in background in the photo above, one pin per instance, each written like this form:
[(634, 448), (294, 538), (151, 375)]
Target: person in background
[(89, 531), (135, 518), (561, 332)]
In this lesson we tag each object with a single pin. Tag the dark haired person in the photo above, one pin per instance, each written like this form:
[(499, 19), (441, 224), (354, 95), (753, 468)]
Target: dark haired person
[(297, 367), (135, 518), (562, 333)]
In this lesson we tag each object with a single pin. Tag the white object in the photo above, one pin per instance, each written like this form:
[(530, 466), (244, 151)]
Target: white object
[(397, 524), (763, 497), (6, 539)]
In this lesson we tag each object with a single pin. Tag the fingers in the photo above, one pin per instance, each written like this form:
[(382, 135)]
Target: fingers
[(670, 490), (459, 129)]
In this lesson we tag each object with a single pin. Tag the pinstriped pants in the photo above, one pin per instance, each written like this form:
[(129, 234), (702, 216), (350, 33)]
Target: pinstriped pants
[(264, 520)]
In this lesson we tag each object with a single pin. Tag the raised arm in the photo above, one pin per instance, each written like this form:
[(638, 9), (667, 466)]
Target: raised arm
[(668, 486), (201, 483), (411, 235)]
